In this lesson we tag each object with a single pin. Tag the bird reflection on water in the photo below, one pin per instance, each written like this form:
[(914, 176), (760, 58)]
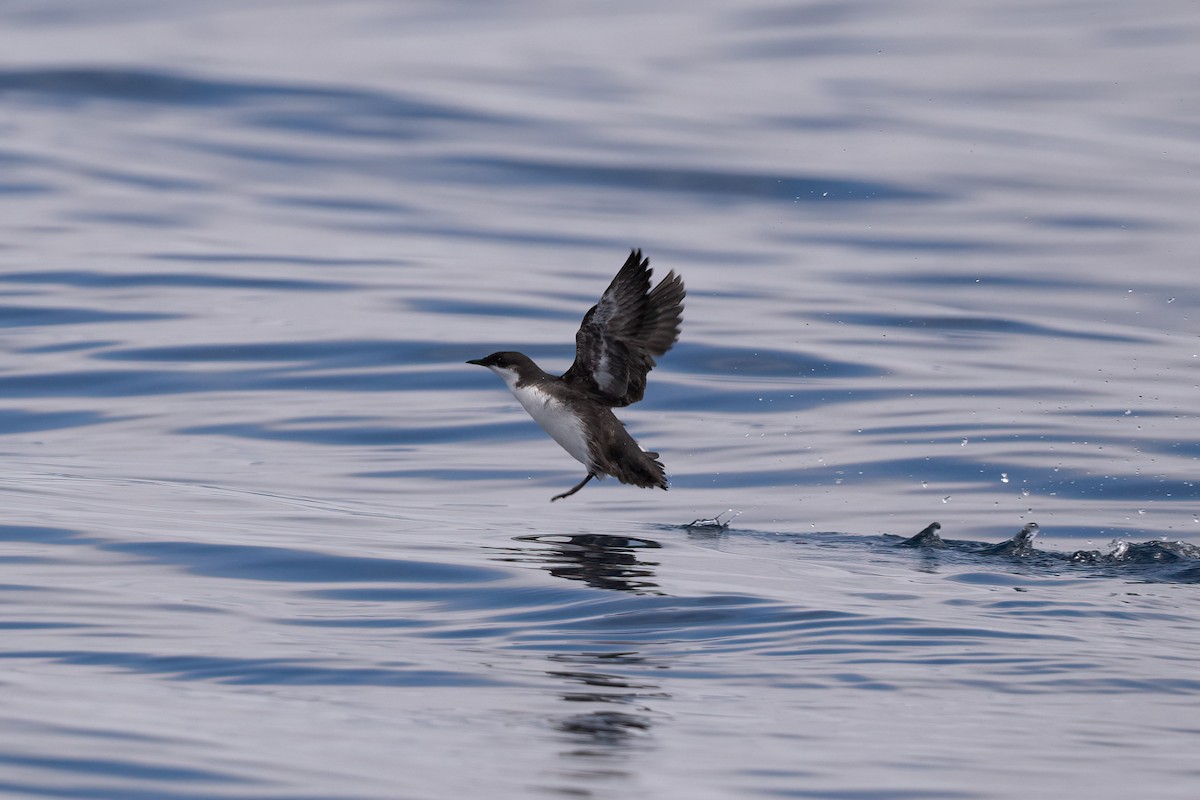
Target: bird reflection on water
[(599, 560)]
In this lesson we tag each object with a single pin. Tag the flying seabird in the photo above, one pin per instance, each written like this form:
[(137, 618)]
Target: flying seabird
[(614, 350)]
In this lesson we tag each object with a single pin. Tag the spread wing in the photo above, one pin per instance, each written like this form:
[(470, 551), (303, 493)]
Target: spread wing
[(621, 334)]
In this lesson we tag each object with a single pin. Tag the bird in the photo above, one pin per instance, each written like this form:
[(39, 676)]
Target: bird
[(615, 348)]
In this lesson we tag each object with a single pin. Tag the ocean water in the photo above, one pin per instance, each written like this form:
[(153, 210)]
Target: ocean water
[(265, 535)]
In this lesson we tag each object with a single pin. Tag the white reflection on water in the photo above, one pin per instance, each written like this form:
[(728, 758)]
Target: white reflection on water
[(266, 535)]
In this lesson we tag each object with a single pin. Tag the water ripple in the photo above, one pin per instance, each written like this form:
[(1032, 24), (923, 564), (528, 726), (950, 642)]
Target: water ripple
[(254, 671), (248, 562), (43, 316), (108, 280), (725, 185)]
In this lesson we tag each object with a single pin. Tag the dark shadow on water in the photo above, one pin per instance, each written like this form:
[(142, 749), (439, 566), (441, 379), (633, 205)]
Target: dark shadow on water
[(599, 670), (606, 729), (599, 560), (620, 722)]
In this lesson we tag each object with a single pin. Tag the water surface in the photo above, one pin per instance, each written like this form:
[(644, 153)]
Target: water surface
[(266, 535)]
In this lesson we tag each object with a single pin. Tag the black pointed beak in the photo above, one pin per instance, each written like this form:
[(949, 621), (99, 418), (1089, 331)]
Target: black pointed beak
[(478, 361)]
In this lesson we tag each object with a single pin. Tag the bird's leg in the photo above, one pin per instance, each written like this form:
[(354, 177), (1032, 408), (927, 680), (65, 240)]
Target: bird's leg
[(574, 488)]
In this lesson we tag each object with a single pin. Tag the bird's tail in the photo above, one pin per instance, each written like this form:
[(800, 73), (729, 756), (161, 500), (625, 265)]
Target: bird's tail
[(645, 471), (616, 453)]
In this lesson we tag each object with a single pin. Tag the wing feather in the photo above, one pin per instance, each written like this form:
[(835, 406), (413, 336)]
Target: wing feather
[(622, 334)]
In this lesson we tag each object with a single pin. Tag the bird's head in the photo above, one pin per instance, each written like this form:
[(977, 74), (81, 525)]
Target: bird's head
[(508, 365)]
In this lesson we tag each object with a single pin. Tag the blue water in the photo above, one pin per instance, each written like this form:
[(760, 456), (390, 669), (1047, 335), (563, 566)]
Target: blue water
[(265, 534)]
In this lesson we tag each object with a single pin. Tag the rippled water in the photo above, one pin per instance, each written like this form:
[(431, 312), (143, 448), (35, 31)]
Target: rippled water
[(266, 535)]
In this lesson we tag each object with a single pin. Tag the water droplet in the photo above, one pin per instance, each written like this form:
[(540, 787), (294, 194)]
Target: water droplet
[(964, 442), (1004, 477), (946, 499), (925, 485), (1141, 511)]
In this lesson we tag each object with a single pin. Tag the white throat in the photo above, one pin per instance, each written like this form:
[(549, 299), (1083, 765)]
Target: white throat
[(563, 425)]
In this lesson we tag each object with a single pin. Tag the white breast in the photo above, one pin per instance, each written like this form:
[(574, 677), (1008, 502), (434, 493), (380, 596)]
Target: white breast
[(556, 419)]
